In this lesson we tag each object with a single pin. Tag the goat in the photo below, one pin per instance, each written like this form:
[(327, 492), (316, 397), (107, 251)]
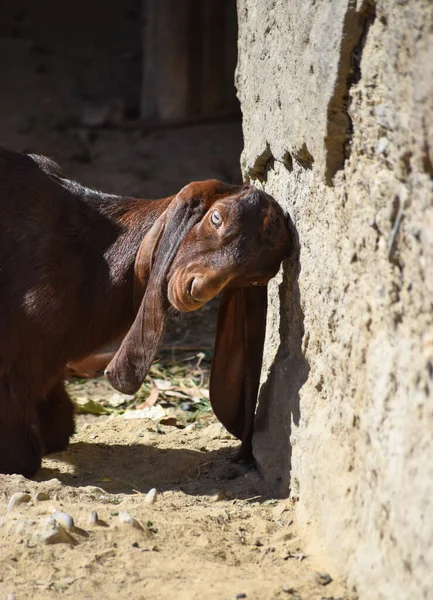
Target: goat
[(80, 268)]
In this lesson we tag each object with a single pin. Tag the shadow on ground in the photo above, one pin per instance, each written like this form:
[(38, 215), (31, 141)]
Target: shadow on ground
[(126, 469)]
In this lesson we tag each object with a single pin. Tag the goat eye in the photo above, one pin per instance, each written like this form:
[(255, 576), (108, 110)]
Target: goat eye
[(257, 283), (216, 218)]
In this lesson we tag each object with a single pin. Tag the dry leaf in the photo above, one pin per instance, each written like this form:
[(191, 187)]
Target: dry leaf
[(154, 412), (169, 421), (117, 399), (176, 395), (86, 405), (151, 399), (162, 384)]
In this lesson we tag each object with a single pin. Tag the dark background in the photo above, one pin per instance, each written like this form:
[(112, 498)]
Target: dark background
[(134, 98)]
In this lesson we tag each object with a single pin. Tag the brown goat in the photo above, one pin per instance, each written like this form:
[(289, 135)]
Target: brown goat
[(80, 268)]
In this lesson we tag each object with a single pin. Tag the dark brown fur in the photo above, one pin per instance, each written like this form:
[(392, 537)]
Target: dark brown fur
[(75, 264)]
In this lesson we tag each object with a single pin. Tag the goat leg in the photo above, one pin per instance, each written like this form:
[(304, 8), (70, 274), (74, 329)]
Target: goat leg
[(56, 419), (20, 450)]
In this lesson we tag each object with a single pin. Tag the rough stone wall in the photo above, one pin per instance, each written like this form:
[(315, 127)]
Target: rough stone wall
[(337, 102)]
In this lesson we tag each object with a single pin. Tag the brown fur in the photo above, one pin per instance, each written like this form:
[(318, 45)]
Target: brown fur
[(80, 268)]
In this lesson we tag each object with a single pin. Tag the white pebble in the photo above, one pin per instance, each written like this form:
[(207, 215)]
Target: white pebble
[(63, 519), (93, 517), (151, 496), (17, 499), (54, 533), (126, 519), (41, 497)]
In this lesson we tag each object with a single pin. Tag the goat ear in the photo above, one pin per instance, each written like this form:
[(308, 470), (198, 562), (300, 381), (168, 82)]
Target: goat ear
[(145, 259), (237, 361), (129, 367)]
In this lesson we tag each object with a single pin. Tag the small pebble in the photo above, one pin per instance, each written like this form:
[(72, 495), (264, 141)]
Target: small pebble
[(17, 499), (54, 533), (93, 517), (41, 497), (126, 519), (64, 519), (241, 595), (187, 406), (151, 496), (11, 597), (323, 578)]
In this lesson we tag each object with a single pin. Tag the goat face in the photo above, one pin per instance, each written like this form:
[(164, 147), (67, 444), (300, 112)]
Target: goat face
[(240, 241), (210, 237)]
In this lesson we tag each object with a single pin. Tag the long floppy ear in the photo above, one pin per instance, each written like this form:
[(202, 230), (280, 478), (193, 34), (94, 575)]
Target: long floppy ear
[(237, 361), (145, 259), (129, 367)]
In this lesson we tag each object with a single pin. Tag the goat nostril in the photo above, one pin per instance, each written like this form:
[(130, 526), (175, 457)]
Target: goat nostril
[(106, 372)]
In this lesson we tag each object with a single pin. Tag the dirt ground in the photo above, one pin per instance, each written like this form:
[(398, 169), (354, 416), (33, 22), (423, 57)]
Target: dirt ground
[(212, 532)]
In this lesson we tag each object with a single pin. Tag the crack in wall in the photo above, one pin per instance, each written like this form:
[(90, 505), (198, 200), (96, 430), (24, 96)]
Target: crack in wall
[(357, 23), (258, 169), (265, 162), (340, 128), (304, 157)]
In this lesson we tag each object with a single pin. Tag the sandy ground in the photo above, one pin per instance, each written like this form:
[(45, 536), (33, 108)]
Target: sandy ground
[(211, 533)]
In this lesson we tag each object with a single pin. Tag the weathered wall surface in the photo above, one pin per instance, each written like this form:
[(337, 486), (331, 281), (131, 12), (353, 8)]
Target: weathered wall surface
[(337, 102)]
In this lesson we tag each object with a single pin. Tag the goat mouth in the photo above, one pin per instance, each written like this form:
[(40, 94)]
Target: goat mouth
[(190, 292), (181, 296), (189, 288)]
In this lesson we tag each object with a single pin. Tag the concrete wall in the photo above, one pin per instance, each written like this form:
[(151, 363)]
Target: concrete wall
[(337, 102)]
